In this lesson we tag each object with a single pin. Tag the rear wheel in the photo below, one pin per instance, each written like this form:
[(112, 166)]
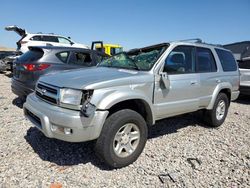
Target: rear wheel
[(122, 139), (218, 114)]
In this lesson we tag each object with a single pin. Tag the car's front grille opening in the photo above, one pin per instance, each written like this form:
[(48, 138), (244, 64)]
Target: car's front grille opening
[(47, 98), (34, 118), (47, 93), (49, 89)]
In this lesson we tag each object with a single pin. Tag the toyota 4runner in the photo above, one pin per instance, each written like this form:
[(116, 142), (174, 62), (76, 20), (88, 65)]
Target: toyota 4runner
[(115, 102)]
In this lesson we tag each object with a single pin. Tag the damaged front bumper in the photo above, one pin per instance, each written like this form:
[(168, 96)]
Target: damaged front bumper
[(64, 124)]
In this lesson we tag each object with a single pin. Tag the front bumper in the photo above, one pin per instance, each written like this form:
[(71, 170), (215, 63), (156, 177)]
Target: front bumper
[(52, 120)]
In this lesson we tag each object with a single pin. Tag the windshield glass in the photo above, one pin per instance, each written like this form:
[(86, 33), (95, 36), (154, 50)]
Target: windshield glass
[(141, 59)]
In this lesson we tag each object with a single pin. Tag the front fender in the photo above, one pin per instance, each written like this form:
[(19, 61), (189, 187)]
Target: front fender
[(217, 90), (105, 99)]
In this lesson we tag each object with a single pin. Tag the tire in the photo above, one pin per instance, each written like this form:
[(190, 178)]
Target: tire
[(113, 135), (214, 118)]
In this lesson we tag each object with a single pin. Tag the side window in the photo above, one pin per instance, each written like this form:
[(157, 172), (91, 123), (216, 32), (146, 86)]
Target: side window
[(80, 58), (49, 38), (227, 60), (36, 38), (63, 56), (63, 40), (181, 60), (205, 60)]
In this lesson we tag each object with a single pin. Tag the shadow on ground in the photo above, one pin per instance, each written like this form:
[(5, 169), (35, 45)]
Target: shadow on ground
[(243, 99), (18, 102), (67, 154)]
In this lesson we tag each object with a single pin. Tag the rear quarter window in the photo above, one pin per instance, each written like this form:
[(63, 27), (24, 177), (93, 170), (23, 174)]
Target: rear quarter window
[(63, 56), (227, 60)]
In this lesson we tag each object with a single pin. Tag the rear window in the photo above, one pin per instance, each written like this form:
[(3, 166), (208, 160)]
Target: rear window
[(244, 64), (227, 60), (63, 56), (31, 55)]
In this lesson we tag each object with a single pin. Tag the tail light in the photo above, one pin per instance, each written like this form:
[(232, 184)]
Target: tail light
[(35, 67)]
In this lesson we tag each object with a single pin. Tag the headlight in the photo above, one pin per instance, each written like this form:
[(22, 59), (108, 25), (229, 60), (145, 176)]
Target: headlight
[(70, 96)]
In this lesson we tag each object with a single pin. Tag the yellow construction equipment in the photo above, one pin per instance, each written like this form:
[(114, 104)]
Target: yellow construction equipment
[(110, 49)]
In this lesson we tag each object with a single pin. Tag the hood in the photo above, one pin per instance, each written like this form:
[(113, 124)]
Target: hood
[(96, 77)]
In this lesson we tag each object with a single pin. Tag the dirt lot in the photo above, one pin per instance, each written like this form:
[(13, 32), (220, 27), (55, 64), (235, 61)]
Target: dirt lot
[(180, 152)]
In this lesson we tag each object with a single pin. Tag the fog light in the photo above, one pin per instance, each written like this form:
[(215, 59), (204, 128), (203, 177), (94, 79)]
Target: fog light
[(67, 131)]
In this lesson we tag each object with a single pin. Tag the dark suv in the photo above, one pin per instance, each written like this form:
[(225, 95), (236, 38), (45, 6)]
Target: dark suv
[(39, 61)]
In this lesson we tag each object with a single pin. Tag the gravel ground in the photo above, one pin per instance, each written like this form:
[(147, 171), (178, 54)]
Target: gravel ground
[(180, 152)]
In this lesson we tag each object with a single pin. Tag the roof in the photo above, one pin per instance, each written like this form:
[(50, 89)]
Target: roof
[(182, 42), (59, 48), (242, 48)]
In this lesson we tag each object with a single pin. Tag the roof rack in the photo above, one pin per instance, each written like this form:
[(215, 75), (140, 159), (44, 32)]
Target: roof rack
[(198, 40), (45, 33)]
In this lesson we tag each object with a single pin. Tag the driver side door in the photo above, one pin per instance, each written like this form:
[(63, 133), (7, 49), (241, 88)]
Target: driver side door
[(181, 94)]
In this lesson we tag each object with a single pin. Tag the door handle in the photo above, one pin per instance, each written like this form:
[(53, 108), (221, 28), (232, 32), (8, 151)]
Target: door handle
[(193, 82)]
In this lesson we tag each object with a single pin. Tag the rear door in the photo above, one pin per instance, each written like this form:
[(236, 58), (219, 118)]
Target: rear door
[(209, 76)]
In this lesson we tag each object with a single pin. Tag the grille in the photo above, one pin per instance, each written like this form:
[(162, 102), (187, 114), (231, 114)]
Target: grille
[(51, 90), (47, 93)]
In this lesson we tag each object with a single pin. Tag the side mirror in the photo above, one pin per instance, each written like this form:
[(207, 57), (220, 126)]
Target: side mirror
[(165, 79), (71, 43)]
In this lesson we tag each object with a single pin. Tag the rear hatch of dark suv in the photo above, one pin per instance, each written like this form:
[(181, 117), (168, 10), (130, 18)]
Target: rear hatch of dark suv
[(25, 70)]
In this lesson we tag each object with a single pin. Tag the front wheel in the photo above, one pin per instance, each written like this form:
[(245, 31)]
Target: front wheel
[(122, 139), (218, 114)]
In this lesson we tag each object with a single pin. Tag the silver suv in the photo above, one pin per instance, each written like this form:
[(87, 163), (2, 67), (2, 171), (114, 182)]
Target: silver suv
[(118, 100)]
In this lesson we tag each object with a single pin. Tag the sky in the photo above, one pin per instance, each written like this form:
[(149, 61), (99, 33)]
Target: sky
[(130, 23)]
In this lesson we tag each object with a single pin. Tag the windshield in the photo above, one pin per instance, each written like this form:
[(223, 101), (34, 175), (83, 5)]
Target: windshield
[(141, 59)]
